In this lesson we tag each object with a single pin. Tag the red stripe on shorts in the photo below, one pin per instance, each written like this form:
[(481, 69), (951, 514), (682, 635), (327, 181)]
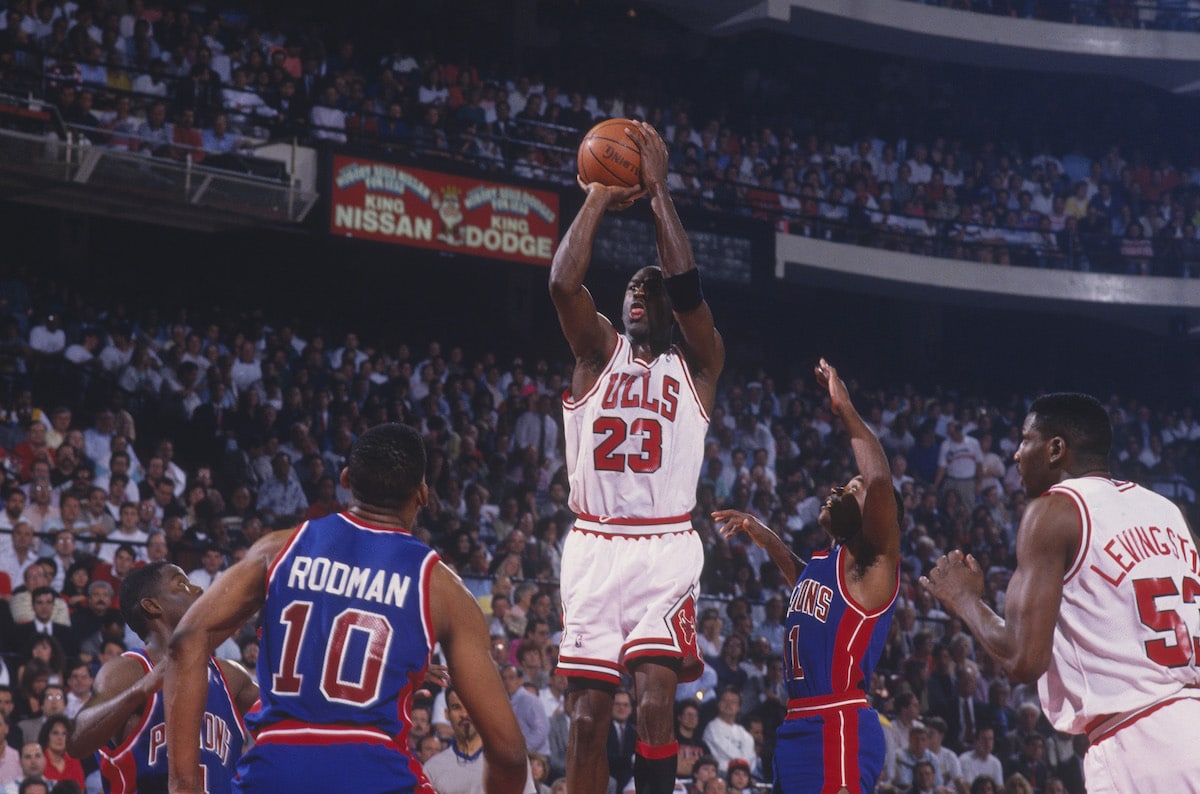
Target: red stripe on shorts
[(840, 756)]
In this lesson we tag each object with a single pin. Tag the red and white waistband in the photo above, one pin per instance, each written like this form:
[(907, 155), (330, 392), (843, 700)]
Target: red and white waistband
[(1106, 725), (806, 707), (610, 526), (295, 732)]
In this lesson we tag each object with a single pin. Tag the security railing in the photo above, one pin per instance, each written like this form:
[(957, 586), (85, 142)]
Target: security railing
[(35, 143)]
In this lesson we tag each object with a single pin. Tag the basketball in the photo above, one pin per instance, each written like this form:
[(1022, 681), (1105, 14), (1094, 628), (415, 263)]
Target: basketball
[(609, 157)]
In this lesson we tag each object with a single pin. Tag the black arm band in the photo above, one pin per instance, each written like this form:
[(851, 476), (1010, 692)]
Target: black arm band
[(684, 290)]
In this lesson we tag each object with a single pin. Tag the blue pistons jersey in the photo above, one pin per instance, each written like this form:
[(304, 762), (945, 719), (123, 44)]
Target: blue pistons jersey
[(346, 640), (831, 738), (138, 765), (832, 644)]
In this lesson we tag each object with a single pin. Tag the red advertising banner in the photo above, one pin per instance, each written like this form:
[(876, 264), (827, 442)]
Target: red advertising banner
[(392, 203)]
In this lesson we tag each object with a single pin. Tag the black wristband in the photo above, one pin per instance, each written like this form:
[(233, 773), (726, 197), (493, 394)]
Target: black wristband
[(684, 290)]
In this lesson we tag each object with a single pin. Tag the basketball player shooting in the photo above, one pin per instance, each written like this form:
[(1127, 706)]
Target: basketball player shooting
[(635, 422)]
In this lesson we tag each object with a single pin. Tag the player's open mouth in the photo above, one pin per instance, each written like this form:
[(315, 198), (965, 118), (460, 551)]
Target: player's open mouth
[(637, 313)]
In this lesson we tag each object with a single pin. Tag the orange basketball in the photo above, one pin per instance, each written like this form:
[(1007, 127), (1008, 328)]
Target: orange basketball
[(608, 156)]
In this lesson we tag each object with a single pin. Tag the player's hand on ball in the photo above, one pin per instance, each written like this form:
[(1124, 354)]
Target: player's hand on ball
[(654, 153), (614, 198)]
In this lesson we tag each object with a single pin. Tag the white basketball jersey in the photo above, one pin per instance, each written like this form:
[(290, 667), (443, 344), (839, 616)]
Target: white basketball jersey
[(635, 441), (1128, 632)]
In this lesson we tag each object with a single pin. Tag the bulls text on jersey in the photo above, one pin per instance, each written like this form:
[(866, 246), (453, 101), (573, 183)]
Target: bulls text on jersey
[(632, 390)]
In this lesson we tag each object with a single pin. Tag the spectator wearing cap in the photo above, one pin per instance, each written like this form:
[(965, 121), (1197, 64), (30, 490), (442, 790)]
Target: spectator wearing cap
[(737, 779)]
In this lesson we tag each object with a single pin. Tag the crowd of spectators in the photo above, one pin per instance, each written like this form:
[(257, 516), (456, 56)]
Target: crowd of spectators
[(128, 438), (209, 85), (1180, 15)]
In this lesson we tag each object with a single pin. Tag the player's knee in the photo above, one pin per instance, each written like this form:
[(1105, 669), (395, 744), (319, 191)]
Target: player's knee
[(587, 728), (655, 705)]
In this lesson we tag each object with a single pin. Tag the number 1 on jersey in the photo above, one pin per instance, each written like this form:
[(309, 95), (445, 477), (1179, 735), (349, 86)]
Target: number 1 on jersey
[(795, 671)]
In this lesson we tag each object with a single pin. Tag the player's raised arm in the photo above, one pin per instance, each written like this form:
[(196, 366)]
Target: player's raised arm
[(462, 631), (588, 333), (706, 350), (221, 611), (880, 523), (1022, 641)]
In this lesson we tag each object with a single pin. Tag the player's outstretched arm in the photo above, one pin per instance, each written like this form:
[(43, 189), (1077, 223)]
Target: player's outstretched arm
[(122, 689), (588, 333), (216, 615), (789, 565), (462, 631), (1022, 641), (880, 523), (706, 350)]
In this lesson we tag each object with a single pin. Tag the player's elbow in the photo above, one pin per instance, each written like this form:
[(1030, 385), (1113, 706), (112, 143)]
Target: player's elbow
[(77, 747), (1028, 668), (561, 286)]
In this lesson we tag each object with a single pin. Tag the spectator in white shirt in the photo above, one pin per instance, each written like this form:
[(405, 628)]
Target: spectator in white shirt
[(724, 736), (49, 339)]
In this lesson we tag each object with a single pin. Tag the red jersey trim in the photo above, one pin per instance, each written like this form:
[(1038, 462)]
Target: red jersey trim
[(427, 566), (607, 527), (583, 660), (296, 732), (636, 522), (595, 669), (112, 754), (1107, 725), (799, 707), (585, 672), (687, 376), (282, 553), (843, 586), (1085, 529), (232, 701), (569, 403)]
